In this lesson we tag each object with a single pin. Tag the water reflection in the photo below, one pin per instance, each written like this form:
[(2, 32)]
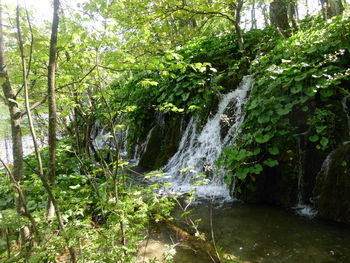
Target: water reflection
[(267, 234)]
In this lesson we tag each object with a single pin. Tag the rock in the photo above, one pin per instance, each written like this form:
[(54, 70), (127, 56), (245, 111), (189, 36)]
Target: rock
[(333, 186), (163, 143), (149, 156)]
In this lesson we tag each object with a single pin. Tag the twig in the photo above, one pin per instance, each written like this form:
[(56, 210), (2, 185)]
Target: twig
[(212, 228)]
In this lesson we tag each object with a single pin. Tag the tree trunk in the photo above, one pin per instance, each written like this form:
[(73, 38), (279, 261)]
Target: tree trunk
[(236, 9), (45, 181), (52, 102), (253, 17), (279, 15), (16, 129), (332, 8), (265, 14), (307, 7), (292, 13)]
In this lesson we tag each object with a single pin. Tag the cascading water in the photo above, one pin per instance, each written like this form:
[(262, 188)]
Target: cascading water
[(103, 138), (346, 111), (199, 150), (143, 148), (301, 208)]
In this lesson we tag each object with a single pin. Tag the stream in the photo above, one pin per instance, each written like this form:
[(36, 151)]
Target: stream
[(253, 233), (266, 234)]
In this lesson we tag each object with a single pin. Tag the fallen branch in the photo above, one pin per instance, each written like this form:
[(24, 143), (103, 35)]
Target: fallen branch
[(197, 244)]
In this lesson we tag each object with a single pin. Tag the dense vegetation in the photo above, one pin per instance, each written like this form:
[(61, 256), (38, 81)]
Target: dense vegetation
[(145, 61)]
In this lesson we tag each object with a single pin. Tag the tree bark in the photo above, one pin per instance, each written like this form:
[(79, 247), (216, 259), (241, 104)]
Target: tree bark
[(15, 112), (43, 178), (52, 102), (16, 129), (292, 13), (253, 17), (332, 8), (236, 9), (279, 15), (265, 14)]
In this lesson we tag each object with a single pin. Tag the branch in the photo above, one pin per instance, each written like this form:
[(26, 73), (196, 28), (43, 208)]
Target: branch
[(21, 196), (43, 100), (215, 13), (78, 81), (123, 70)]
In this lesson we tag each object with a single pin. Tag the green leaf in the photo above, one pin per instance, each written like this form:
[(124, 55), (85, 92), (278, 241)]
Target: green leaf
[(324, 141), (242, 173), (273, 150), (300, 77), (256, 169), (263, 119), (271, 162), (185, 96), (314, 138), (283, 110), (259, 138), (297, 88), (327, 93), (320, 129)]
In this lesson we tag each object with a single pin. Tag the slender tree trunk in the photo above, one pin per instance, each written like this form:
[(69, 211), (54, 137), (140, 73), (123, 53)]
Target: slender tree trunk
[(337, 7), (43, 178), (253, 18), (332, 8), (52, 102), (292, 13), (307, 7), (265, 14), (16, 129), (236, 9), (21, 196), (279, 15)]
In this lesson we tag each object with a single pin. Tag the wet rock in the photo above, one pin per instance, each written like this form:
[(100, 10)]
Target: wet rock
[(162, 144), (151, 152), (333, 186)]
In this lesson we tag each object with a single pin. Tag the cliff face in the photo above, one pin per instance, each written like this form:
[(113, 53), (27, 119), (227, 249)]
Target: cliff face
[(296, 121), (333, 186), (304, 175)]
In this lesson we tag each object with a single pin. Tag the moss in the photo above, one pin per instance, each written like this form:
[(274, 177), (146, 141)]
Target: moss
[(334, 187), (170, 141), (150, 155), (163, 143)]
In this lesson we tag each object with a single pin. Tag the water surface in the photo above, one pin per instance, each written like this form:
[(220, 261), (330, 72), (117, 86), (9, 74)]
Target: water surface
[(268, 234)]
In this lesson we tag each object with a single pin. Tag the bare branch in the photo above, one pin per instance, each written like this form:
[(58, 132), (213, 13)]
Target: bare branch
[(214, 13)]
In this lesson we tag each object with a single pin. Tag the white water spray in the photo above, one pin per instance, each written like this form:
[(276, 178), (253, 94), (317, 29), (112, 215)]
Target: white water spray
[(198, 151)]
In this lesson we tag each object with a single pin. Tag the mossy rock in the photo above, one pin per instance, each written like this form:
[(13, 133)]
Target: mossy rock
[(170, 142), (333, 186), (272, 186), (152, 150), (163, 143)]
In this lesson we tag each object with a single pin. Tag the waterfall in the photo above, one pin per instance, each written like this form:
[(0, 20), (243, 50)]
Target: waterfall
[(345, 101), (300, 173), (140, 150), (199, 149), (301, 208)]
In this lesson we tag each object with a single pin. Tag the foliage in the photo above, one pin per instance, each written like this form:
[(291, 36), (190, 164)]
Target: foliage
[(297, 82), (105, 229), (187, 81), (165, 58)]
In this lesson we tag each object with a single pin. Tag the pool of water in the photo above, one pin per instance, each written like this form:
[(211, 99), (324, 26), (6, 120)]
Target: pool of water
[(267, 234)]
